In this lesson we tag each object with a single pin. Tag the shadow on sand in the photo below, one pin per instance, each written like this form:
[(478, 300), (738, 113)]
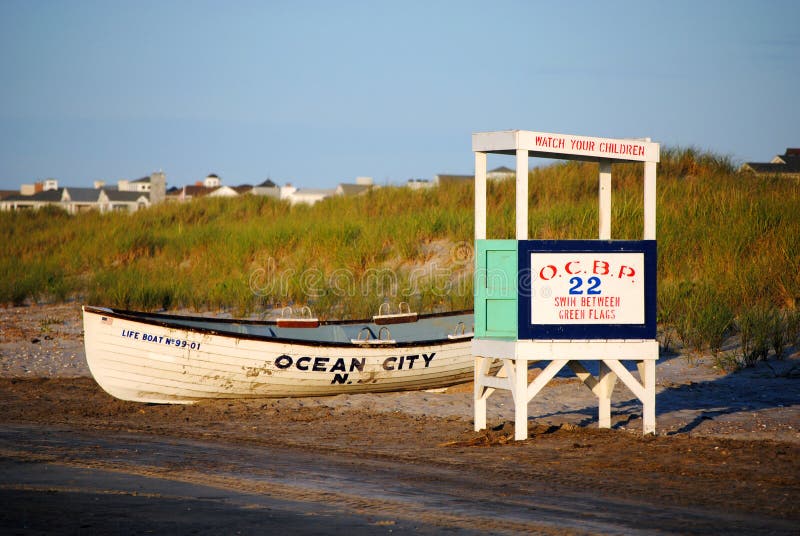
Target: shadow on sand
[(698, 397)]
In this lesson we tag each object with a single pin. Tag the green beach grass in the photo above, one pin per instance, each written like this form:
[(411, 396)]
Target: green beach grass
[(728, 244)]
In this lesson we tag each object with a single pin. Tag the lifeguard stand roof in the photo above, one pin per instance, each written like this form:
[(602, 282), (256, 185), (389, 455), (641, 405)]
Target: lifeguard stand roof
[(566, 146)]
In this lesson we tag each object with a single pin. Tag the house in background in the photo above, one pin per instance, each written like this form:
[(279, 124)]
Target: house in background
[(33, 201), (308, 196), (144, 192), (40, 186), (418, 184), (207, 186), (440, 179), (126, 201), (267, 188), (75, 200), (500, 173), (224, 191), (287, 190), (139, 185), (784, 165), (362, 185)]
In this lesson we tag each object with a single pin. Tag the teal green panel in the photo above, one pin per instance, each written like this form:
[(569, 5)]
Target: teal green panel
[(496, 289), (501, 318), (501, 273)]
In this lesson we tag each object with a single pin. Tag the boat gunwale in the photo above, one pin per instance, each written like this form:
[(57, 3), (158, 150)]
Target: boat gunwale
[(147, 318)]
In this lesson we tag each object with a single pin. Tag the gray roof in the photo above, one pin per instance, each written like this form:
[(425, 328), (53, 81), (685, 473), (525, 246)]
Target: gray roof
[(455, 178), (315, 191), (125, 197), (48, 196), (267, 184), (354, 189), (791, 159), (83, 195)]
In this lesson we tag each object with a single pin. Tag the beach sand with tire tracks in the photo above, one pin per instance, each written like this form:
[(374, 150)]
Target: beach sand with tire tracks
[(727, 452)]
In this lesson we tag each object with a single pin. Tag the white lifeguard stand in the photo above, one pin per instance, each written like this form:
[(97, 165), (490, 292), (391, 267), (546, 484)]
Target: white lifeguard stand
[(564, 301)]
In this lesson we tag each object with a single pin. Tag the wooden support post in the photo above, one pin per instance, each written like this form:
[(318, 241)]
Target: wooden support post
[(647, 373), (605, 386), (649, 200), (520, 393), (547, 374), (605, 200), (480, 196), (522, 194), (479, 400)]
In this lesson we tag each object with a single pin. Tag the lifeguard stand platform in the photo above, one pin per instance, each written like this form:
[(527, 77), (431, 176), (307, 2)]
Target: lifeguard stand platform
[(564, 302)]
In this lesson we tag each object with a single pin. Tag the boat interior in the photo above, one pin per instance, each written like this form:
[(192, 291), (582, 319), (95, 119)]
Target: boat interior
[(376, 331)]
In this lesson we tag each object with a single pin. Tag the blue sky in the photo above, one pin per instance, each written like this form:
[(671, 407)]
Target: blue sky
[(316, 93)]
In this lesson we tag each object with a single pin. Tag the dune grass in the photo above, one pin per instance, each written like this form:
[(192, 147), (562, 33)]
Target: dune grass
[(729, 248)]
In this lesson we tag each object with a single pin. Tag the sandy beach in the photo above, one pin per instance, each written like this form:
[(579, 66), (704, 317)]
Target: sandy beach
[(726, 458)]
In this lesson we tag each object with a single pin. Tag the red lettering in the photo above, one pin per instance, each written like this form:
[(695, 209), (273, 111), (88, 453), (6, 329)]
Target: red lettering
[(601, 268), (582, 145), (568, 269), (626, 271), (550, 142), (551, 269)]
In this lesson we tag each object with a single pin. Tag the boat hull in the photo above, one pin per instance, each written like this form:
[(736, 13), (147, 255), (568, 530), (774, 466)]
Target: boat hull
[(147, 360)]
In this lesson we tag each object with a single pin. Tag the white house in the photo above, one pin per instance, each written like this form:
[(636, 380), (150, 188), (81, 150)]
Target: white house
[(418, 184), (139, 185), (309, 196), (125, 201), (500, 173), (224, 191), (267, 188)]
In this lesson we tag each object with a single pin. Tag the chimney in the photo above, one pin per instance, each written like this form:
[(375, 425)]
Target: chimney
[(158, 187)]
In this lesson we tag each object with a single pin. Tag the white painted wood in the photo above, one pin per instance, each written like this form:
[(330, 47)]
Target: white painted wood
[(497, 383), (602, 387), (479, 394), (650, 201), (583, 375), (574, 350), (552, 145), (544, 377), (480, 196), (605, 386), (522, 194), (520, 394), (647, 371), (605, 200), (626, 377)]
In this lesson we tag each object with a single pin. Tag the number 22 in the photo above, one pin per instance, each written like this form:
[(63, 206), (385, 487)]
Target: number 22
[(577, 283)]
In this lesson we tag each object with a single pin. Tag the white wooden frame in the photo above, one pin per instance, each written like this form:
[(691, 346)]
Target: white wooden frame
[(517, 355)]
